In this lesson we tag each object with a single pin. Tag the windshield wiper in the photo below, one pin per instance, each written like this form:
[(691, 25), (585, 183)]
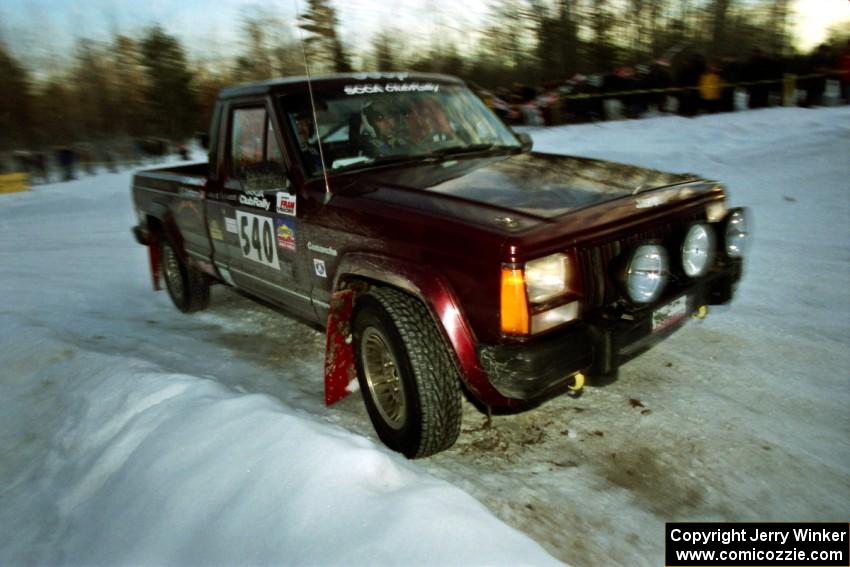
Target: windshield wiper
[(471, 149), (365, 161), (439, 154), (454, 150)]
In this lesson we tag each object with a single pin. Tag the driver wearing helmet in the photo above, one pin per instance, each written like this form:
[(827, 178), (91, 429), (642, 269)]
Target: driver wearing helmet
[(388, 137)]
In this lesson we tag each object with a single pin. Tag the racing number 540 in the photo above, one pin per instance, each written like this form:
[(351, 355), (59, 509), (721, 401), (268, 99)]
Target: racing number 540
[(256, 238)]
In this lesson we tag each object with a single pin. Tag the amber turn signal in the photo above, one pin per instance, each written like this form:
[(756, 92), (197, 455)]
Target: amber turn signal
[(514, 314)]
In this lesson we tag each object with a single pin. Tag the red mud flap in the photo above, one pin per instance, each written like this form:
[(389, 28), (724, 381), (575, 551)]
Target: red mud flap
[(339, 354), (153, 254)]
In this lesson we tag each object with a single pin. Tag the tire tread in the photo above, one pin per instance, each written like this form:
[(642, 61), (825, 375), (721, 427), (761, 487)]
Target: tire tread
[(436, 374)]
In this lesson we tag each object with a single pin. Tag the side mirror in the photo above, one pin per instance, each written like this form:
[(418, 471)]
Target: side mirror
[(525, 141)]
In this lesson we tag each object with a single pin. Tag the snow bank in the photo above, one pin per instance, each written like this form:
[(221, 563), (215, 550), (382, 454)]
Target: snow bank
[(150, 467)]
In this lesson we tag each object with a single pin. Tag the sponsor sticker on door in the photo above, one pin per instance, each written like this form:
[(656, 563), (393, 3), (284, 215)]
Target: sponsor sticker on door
[(285, 232), (285, 204)]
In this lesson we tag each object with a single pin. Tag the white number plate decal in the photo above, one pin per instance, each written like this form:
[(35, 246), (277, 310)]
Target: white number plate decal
[(256, 239), (669, 314)]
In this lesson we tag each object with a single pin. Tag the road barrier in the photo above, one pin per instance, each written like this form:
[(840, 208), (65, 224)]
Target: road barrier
[(14, 182), (788, 82)]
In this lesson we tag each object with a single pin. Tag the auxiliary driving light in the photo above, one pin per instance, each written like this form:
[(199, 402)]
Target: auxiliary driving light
[(698, 250), (737, 235), (647, 273)]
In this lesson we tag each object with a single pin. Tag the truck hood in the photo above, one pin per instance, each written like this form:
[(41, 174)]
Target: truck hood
[(529, 188)]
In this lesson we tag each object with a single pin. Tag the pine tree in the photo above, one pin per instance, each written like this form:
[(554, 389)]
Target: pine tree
[(384, 52), (324, 48), (15, 101), (169, 93), (129, 86)]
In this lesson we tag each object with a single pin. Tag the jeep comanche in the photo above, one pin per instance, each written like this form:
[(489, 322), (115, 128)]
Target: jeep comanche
[(437, 251)]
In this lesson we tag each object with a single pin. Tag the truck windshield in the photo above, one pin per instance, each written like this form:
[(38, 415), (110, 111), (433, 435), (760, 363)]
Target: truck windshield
[(366, 123)]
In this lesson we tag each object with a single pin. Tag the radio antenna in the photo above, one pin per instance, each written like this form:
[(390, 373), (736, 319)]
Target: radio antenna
[(327, 196)]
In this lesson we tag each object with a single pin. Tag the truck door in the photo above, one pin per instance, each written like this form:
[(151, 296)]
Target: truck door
[(260, 213)]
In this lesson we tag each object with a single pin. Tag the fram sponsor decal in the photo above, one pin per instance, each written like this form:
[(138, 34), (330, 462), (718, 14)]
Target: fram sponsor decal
[(285, 231), (285, 204)]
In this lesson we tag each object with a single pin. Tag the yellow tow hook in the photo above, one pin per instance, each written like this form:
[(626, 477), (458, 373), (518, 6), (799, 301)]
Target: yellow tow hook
[(576, 385), (701, 312)]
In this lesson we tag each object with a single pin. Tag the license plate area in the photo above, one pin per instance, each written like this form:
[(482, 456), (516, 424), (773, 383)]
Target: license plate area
[(670, 314)]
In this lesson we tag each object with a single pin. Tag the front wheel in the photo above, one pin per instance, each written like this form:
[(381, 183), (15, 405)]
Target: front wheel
[(409, 382), (187, 285)]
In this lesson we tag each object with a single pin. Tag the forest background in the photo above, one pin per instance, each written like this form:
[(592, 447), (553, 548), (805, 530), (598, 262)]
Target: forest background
[(146, 84)]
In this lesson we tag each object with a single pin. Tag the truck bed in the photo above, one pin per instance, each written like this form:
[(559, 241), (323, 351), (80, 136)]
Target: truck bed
[(170, 178)]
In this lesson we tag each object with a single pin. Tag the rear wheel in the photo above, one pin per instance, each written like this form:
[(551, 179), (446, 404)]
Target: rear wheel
[(409, 382), (187, 286)]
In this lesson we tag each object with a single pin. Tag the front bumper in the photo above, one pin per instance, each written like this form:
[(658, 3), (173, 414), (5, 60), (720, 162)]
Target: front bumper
[(596, 346)]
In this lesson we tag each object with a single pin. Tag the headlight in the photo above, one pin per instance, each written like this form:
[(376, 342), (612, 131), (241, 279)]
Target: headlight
[(698, 250), (647, 273), (546, 277), (737, 236)]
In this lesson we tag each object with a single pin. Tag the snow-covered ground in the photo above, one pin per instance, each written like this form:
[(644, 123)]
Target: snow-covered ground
[(133, 434)]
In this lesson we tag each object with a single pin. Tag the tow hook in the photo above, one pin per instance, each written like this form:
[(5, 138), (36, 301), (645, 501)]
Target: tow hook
[(575, 385), (701, 312)]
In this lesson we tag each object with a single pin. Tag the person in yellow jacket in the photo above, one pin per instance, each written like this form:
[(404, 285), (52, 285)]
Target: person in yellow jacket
[(711, 89)]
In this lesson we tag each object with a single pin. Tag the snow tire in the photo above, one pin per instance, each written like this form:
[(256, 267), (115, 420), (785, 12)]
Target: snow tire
[(187, 285), (430, 419)]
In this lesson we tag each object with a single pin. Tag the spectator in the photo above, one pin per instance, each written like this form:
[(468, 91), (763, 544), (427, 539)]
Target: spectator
[(844, 69), (688, 80), (67, 158), (818, 64), (732, 73), (711, 89), (659, 78), (758, 72)]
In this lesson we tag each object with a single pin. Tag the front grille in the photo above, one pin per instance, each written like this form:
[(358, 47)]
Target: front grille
[(596, 258)]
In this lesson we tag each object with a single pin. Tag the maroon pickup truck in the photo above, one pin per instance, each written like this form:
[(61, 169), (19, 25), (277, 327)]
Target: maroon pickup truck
[(437, 251)]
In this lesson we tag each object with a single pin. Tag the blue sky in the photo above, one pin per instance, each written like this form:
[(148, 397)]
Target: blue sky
[(211, 28), (40, 28)]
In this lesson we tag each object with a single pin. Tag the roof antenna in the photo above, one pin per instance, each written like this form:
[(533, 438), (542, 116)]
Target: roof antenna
[(327, 196)]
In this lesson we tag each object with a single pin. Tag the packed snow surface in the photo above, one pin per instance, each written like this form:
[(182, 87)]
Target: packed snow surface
[(133, 434)]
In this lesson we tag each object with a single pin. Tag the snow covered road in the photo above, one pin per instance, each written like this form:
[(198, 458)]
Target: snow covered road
[(130, 433)]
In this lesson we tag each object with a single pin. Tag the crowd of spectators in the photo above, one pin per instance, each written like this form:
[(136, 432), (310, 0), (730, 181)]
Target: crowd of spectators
[(688, 85), (67, 162)]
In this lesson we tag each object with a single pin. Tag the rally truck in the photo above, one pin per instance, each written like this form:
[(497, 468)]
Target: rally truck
[(441, 256)]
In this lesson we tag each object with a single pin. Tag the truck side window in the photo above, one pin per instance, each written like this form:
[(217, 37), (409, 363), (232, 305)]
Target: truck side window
[(247, 139), (255, 155)]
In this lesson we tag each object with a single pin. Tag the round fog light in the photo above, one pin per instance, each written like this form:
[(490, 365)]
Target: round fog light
[(697, 250), (647, 273), (737, 234)]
